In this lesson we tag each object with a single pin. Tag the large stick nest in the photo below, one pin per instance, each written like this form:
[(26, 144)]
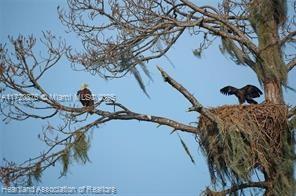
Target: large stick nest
[(251, 136)]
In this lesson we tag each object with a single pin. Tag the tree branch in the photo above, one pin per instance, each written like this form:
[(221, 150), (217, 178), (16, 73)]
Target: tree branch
[(12, 173), (291, 64), (128, 115), (288, 38), (234, 188), (240, 36), (196, 106)]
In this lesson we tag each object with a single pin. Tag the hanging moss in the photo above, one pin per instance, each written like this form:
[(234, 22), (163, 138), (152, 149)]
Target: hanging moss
[(80, 147), (37, 171), (65, 158), (266, 16), (267, 10), (252, 137), (239, 57), (29, 181)]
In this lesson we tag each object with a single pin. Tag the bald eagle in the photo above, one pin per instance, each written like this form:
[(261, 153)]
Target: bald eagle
[(247, 93), (85, 97)]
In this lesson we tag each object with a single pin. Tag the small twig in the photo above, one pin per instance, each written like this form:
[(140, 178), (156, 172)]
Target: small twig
[(291, 64)]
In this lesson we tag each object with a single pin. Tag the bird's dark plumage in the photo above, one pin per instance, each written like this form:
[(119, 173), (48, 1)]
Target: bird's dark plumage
[(247, 93), (85, 97)]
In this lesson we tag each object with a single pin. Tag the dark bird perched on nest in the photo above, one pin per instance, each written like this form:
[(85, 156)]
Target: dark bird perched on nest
[(85, 97), (247, 93)]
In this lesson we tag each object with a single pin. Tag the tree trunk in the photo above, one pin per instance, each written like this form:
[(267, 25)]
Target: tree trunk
[(273, 74), (273, 92)]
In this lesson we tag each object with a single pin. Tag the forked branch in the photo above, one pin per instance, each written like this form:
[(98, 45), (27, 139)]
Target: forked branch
[(196, 106)]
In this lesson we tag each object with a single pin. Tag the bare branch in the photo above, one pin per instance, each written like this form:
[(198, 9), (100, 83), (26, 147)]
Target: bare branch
[(145, 31), (287, 38), (239, 35), (63, 138), (141, 31), (291, 64), (196, 106)]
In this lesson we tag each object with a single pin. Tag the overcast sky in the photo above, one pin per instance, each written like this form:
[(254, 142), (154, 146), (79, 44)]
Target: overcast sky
[(137, 158)]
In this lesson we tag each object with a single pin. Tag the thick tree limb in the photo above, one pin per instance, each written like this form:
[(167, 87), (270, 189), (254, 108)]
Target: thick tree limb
[(196, 106), (11, 173), (126, 114), (155, 119), (144, 28)]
